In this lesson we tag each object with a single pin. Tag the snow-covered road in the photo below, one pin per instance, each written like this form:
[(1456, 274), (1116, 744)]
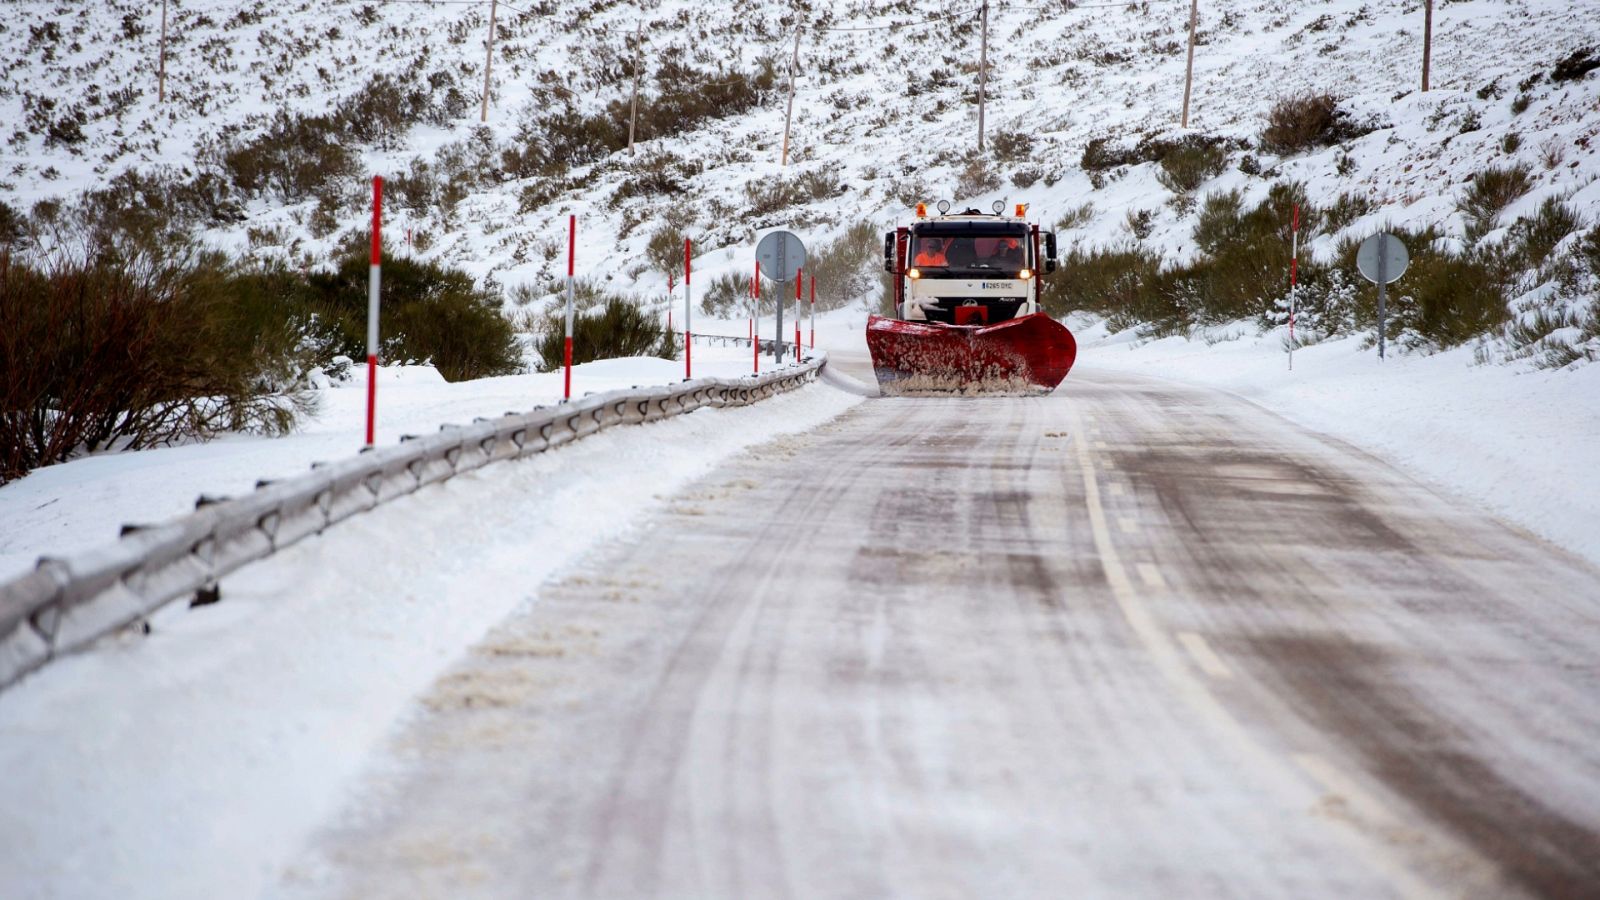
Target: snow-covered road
[(1134, 639)]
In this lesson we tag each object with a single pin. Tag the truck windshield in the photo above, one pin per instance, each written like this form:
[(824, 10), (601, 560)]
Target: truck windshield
[(970, 253)]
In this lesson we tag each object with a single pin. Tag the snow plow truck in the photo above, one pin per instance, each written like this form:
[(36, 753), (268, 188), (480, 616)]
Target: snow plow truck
[(967, 307)]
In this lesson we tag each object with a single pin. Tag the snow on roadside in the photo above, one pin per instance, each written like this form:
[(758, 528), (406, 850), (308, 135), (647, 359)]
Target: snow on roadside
[(1524, 445), (81, 504), (114, 762)]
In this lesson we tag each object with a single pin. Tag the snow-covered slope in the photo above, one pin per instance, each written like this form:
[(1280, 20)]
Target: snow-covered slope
[(883, 116)]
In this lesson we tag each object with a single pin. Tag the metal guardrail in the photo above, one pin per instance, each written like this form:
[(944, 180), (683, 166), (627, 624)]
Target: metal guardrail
[(67, 603)]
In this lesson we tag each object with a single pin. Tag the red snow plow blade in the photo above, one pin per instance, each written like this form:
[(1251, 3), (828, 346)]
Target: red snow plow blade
[(1028, 355)]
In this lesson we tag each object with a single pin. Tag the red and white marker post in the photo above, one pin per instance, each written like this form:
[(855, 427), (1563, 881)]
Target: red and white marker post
[(813, 310), (1294, 267), (572, 259), (372, 305), (755, 310), (688, 332), (672, 291), (799, 283)]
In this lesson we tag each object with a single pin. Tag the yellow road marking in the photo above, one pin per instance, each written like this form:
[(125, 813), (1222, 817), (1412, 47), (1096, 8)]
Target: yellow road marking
[(1152, 576), (1204, 657), (1116, 488), (1127, 525), (1170, 664)]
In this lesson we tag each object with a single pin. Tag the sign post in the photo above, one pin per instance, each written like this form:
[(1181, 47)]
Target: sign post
[(572, 254), (1382, 259), (688, 330), (799, 285), (781, 252), (755, 313), (1294, 265), (813, 310), (374, 278)]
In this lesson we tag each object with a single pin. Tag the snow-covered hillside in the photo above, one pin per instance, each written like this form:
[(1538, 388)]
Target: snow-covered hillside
[(883, 116)]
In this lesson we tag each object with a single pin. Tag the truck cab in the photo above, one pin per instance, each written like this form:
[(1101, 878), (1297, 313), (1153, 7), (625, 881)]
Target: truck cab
[(968, 268)]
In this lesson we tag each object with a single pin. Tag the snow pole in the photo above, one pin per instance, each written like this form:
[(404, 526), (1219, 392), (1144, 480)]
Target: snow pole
[(374, 278), (813, 310), (755, 311), (1294, 266), (688, 333), (799, 282), (572, 256)]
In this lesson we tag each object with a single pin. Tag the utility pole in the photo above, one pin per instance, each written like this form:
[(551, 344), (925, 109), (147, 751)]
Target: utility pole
[(1427, 41), (1188, 72), (983, 68), (488, 62), (161, 77), (794, 63), (633, 115)]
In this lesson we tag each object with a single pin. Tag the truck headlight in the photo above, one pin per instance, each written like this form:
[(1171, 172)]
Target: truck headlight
[(1025, 274), (913, 272)]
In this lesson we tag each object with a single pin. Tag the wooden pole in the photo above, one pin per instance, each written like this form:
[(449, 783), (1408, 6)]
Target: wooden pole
[(1427, 41), (1188, 72), (983, 69), (161, 77), (633, 115), (788, 116), (488, 62)]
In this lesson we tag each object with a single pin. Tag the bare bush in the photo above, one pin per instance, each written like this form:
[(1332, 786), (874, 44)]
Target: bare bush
[(106, 353), (1304, 121)]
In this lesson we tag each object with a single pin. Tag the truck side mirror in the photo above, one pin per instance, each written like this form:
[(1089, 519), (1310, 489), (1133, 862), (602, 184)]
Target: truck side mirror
[(888, 252), (1049, 251)]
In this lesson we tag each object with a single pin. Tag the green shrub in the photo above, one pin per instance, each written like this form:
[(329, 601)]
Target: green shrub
[(1141, 222), (658, 173), (1219, 221), (1346, 209), (1075, 217), (975, 178), (1575, 65), (554, 134), (1185, 168), (1535, 237), (11, 225), (729, 294), (1012, 146), (292, 159), (1444, 298), (1115, 282), (845, 268), (665, 249), (1489, 193), (431, 315), (618, 329)]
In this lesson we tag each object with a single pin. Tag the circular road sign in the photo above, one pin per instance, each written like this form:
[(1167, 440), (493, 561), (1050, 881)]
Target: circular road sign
[(780, 254), (1382, 258)]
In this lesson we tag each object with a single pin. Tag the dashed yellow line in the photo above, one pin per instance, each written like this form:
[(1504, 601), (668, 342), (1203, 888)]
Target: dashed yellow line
[(1151, 576), (1116, 488), (1169, 661), (1127, 525), (1204, 657)]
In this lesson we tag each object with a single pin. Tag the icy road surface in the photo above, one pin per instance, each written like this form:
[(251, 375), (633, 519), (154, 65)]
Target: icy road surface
[(1132, 640)]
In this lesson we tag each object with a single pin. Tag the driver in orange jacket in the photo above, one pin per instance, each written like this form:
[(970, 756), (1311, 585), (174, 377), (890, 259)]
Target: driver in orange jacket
[(930, 252)]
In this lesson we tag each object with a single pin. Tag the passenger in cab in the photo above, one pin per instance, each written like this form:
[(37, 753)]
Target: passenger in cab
[(930, 252)]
